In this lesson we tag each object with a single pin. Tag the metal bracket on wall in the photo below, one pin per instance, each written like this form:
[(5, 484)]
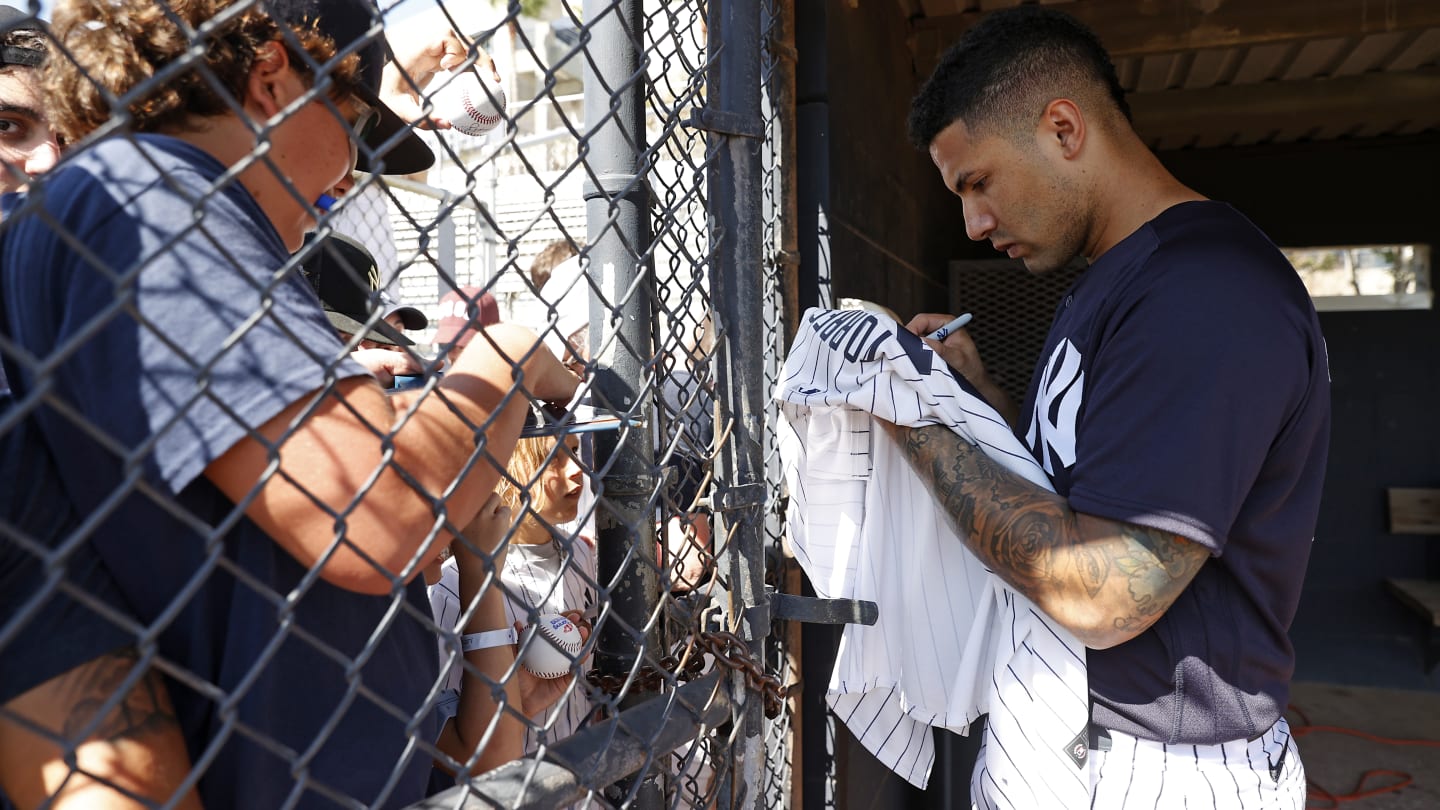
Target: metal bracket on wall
[(613, 185), (725, 123)]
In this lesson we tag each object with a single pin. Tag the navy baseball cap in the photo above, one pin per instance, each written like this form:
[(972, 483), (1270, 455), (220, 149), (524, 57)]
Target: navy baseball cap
[(344, 275), (410, 317), (398, 148), (13, 19)]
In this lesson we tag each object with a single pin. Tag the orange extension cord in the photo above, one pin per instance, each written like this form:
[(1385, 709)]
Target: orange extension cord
[(1319, 794)]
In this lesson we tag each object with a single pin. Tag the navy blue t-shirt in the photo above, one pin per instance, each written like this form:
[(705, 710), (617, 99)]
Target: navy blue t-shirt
[(47, 627), (173, 333), (1184, 386)]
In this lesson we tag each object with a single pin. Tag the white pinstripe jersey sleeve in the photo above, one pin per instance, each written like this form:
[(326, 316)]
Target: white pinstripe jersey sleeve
[(952, 641)]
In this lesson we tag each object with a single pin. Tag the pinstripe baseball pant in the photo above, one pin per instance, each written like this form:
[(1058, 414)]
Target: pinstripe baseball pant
[(1265, 772), (1261, 774)]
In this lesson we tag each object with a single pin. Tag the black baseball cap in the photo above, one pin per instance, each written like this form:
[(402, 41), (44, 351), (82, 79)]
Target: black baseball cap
[(13, 19), (410, 317), (398, 148), (344, 275)]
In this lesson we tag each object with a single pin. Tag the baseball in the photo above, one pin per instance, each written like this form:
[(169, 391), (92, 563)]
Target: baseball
[(550, 645), (461, 99)]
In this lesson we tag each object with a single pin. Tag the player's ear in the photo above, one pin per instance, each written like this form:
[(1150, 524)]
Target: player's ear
[(268, 87), (1062, 124)]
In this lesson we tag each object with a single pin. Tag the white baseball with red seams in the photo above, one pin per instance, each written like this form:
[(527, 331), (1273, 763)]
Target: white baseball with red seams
[(550, 646), (461, 99)]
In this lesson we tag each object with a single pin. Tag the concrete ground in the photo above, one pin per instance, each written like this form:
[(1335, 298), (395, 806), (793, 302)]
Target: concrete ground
[(1335, 762)]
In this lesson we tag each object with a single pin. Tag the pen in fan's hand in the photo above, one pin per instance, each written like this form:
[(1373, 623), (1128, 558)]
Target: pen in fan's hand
[(946, 330)]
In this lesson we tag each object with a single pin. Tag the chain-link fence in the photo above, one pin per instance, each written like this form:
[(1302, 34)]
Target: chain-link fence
[(465, 498)]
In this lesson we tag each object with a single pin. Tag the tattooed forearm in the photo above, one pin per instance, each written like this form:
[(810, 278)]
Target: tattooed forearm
[(1013, 527), (1091, 567), (1105, 580), (99, 735), (1156, 568), (145, 709)]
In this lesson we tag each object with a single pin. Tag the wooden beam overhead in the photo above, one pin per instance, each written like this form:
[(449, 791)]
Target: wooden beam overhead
[(1144, 27), (1214, 114), (910, 8)]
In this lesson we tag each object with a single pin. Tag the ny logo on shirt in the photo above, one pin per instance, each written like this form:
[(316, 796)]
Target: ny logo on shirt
[(1051, 436)]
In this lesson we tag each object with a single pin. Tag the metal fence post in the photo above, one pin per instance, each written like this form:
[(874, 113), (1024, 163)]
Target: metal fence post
[(737, 282), (785, 746), (617, 199), (781, 84)]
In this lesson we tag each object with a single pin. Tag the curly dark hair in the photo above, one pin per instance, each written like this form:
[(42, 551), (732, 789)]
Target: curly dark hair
[(107, 48), (1006, 68)]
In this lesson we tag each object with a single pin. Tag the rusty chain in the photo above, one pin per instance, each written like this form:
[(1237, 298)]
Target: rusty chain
[(732, 652), (649, 678), (729, 651)]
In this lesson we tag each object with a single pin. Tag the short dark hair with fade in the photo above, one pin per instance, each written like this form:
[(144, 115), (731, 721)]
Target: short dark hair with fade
[(1007, 67)]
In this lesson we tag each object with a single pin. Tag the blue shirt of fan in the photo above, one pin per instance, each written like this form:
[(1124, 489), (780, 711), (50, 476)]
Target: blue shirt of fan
[(172, 364), (1184, 386)]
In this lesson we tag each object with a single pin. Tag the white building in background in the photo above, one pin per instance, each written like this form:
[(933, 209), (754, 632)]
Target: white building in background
[(491, 203)]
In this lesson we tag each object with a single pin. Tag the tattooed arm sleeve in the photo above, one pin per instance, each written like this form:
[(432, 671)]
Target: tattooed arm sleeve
[(1106, 581), (132, 755)]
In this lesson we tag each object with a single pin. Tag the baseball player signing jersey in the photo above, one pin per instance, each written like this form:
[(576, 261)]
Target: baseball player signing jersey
[(1184, 387), (952, 641)]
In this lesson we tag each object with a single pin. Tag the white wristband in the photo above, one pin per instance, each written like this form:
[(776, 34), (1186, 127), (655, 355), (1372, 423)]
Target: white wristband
[(490, 638)]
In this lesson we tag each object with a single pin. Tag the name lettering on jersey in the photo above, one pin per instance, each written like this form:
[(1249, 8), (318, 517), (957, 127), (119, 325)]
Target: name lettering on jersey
[(1051, 435), (849, 332)]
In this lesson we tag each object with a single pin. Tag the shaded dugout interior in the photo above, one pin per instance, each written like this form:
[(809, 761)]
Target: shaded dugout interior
[(1321, 122)]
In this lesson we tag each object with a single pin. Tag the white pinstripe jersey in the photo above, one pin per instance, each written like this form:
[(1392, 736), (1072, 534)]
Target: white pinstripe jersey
[(539, 577), (952, 641), (445, 605)]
